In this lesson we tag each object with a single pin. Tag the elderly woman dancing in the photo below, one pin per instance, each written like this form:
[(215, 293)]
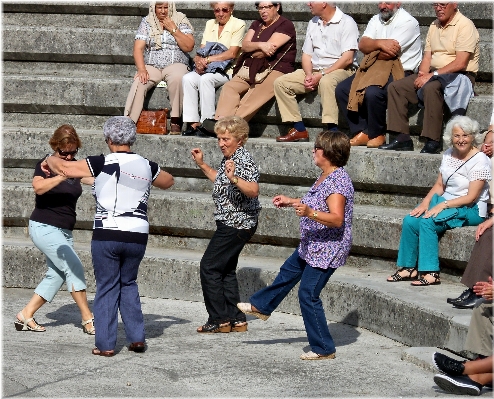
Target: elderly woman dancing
[(202, 83), (50, 228), (120, 232), (235, 194), (325, 239), (458, 198), (161, 45)]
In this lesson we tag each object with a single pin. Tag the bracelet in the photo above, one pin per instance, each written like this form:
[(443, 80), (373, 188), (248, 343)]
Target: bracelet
[(446, 203), (173, 30), (235, 180), (207, 60), (314, 215)]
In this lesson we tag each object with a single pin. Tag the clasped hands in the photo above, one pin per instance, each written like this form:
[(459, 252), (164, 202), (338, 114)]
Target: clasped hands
[(312, 81), (201, 63), (484, 289)]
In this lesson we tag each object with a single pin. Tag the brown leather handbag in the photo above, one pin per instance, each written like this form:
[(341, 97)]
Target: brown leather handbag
[(153, 122)]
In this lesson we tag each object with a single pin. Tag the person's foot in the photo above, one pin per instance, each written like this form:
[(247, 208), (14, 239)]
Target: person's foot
[(247, 308), (431, 147), (431, 278), (175, 129), (314, 356), (467, 303), (376, 141), (464, 295), (403, 274), (293, 135), (458, 385), (191, 131), (27, 324), (359, 139), (137, 347), (398, 146), (98, 352), (214, 328), (447, 364)]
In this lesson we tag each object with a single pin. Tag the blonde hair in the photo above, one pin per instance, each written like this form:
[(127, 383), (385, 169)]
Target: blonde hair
[(235, 125)]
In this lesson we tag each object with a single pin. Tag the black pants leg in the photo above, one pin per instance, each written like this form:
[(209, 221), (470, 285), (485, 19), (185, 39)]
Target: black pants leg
[(218, 273), (356, 122)]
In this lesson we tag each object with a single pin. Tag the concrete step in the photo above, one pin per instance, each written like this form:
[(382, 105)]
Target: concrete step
[(107, 96), (376, 230), (413, 316)]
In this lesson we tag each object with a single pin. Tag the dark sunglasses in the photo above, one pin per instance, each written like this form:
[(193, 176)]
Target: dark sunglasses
[(66, 153), (218, 10)]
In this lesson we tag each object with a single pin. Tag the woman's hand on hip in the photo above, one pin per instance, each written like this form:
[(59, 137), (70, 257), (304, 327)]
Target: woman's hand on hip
[(142, 75), (197, 156), (230, 169)]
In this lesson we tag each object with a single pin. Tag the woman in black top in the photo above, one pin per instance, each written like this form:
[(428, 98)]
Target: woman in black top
[(50, 228)]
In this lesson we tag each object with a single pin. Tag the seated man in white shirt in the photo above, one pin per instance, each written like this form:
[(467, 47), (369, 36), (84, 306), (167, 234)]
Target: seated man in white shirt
[(328, 57)]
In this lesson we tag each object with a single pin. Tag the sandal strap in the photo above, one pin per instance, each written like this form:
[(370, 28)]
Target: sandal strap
[(84, 322), (398, 277)]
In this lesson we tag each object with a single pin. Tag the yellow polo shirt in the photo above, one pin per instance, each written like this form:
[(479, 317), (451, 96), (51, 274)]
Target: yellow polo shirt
[(232, 35), (459, 35)]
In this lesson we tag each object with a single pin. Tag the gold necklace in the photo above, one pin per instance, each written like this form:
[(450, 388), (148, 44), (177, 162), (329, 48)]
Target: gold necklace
[(263, 27), (331, 171)]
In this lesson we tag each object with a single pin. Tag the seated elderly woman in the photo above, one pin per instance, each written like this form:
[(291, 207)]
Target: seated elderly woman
[(270, 42), (213, 68), (458, 198), (161, 45)]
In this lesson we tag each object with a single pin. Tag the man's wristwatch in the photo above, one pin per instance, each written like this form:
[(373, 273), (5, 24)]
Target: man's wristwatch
[(435, 73), (446, 203), (322, 72), (174, 30)]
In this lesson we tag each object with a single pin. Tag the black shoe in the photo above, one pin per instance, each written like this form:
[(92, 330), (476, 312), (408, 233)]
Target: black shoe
[(398, 146), (462, 385), (431, 147), (464, 295), (447, 364), (191, 131), (207, 129), (467, 303)]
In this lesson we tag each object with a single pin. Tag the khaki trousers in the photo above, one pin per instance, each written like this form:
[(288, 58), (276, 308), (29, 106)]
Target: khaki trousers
[(479, 336), (286, 87), (172, 75), (239, 98)]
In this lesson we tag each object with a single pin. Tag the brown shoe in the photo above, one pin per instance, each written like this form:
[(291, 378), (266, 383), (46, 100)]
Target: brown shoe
[(175, 129), (359, 139), (137, 347), (376, 141), (293, 135)]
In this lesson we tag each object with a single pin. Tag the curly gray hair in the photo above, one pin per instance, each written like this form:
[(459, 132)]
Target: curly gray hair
[(121, 130), (468, 125)]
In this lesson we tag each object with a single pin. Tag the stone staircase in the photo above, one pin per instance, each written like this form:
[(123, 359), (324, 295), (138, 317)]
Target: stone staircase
[(76, 67)]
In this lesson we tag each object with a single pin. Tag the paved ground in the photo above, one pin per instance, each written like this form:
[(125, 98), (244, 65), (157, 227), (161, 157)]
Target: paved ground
[(262, 362)]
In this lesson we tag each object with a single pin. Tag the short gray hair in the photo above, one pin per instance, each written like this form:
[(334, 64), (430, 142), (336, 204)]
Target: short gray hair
[(121, 130), (468, 125)]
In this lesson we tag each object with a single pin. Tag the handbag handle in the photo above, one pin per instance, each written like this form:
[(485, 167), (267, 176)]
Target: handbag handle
[(279, 59)]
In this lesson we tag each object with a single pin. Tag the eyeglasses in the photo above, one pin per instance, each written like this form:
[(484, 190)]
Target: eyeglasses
[(442, 6), (66, 153), (218, 10), (261, 8)]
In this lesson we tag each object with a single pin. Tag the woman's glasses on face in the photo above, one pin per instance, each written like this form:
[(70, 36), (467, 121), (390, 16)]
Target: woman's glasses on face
[(218, 10), (66, 153), (261, 8)]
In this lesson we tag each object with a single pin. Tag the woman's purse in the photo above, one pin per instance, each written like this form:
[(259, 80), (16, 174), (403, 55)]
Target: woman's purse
[(243, 72), (152, 122)]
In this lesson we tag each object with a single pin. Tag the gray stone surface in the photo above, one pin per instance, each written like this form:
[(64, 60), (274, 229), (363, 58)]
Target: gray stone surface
[(357, 296), (262, 362)]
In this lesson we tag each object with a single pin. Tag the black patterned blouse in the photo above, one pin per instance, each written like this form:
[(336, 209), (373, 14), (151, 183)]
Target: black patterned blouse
[(234, 208)]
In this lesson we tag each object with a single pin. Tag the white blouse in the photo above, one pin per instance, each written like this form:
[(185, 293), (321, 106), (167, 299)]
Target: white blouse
[(477, 168)]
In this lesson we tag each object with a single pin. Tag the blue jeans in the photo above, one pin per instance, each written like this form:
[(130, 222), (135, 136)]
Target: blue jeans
[(420, 236), (63, 263), (312, 281), (116, 265)]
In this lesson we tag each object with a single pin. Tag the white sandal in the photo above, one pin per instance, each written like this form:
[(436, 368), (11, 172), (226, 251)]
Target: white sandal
[(90, 331), (22, 325), (314, 356)]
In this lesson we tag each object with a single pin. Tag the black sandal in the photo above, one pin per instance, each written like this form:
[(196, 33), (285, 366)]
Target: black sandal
[(214, 328), (397, 277), (422, 281), (239, 326)]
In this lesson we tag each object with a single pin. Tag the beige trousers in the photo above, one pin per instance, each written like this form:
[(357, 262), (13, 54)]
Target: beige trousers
[(479, 336), (172, 75), (239, 98), (286, 87)]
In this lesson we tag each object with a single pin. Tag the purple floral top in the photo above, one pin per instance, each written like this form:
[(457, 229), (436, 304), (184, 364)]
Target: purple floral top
[(321, 246)]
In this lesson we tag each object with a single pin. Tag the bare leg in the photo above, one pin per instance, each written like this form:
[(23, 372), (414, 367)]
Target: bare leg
[(31, 308), (480, 370), (80, 299)]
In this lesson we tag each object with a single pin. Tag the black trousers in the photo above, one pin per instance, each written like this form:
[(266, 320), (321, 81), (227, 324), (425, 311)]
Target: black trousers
[(218, 273), (371, 116)]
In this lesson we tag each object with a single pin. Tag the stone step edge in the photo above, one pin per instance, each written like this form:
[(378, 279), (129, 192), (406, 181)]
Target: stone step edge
[(353, 296)]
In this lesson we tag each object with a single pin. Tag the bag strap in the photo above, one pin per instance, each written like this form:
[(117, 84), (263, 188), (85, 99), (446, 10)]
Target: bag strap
[(279, 59), (458, 168)]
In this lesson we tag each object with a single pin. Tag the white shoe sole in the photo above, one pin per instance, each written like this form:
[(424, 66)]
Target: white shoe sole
[(450, 385)]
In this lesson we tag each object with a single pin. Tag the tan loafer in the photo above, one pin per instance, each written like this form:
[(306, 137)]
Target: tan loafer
[(293, 135), (314, 356), (376, 141), (359, 139)]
